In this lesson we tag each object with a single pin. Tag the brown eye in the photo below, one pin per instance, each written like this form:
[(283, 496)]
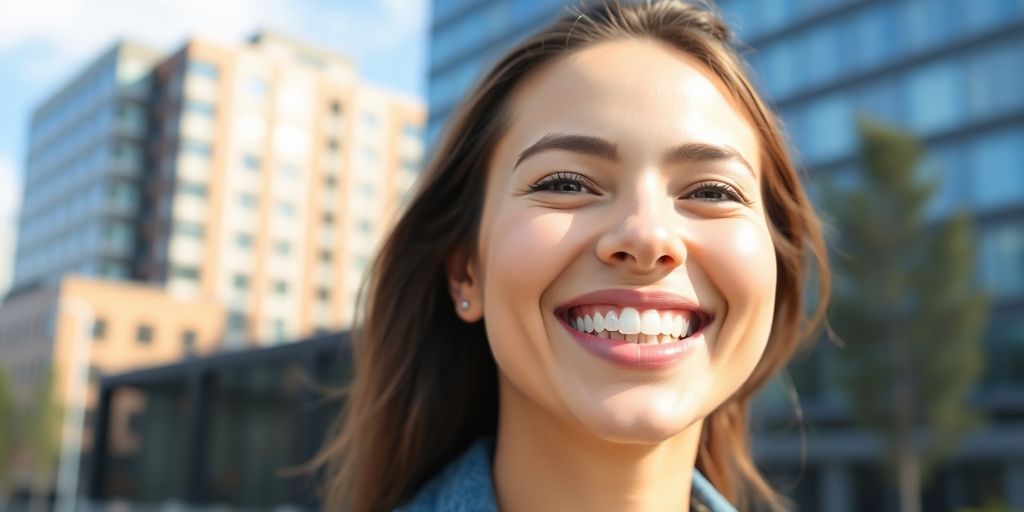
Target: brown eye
[(715, 192), (562, 183)]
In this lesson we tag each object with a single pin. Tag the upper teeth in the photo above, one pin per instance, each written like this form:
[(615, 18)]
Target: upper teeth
[(648, 326)]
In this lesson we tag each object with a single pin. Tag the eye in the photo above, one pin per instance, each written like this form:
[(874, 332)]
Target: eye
[(563, 182), (716, 192)]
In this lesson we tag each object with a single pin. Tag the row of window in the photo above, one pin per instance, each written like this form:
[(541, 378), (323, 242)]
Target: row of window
[(241, 283), (462, 37), (73, 107), (83, 142), (875, 35), (929, 99), (40, 225), (919, 22), (982, 173), (144, 334)]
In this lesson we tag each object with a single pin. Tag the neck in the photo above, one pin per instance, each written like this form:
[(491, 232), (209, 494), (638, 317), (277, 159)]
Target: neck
[(547, 463)]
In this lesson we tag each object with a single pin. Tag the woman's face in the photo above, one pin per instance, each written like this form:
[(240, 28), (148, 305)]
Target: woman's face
[(627, 187)]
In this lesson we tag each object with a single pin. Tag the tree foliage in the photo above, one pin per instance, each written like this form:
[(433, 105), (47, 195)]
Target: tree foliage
[(905, 304)]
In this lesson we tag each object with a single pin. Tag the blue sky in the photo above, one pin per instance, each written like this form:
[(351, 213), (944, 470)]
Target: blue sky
[(43, 43)]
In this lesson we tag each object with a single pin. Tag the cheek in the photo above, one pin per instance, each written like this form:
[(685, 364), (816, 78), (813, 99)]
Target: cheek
[(740, 260), (524, 255), (527, 250)]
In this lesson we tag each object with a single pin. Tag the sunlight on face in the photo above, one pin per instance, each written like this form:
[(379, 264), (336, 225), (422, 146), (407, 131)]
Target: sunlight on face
[(626, 168)]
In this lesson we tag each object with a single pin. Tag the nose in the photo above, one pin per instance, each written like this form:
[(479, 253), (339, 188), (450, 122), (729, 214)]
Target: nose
[(647, 238)]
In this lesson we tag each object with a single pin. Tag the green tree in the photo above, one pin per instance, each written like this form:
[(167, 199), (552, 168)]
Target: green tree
[(42, 437), (906, 307), (8, 434)]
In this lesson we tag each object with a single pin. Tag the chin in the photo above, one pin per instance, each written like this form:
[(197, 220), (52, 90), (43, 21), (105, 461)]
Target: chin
[(646, 424)]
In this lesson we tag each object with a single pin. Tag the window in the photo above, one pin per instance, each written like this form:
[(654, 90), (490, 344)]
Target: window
[(256, 86), (279, 331), (281, 287), (335, 108), (199, 107), (188, 229), (197, 148), (362, 261), (1002, 259), (411, 130), (936, 98), (248, 201), (367, 190), (241, 282), (995, 169), (203, 69), (237, 322), (187, 273), (192, 189), (328, 218), (368, 155), (288, 172), (94, 374), (285, 208), (326, 256), (144, 334), (188, 341), (251, 162), (244, 240), (369, 119), (99, 328), (323, 294), (282, 247), (364, 225)]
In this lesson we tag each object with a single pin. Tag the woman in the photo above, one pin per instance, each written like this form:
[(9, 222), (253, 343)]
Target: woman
[(604, 260)]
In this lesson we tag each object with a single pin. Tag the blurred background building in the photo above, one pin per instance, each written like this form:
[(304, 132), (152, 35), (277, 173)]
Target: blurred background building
[(181, 206), (218, 198), (951, 72)]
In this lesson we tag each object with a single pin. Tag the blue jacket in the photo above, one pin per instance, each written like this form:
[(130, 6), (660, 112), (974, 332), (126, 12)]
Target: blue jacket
[(465, 486)]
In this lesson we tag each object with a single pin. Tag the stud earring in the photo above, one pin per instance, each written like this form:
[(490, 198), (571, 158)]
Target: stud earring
[(464, 305)]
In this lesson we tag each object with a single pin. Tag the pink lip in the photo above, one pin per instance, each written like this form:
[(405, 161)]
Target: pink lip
[(633, 355)]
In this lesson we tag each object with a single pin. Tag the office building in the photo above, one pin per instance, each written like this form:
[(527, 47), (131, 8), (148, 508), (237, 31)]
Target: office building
[(83, 172), (262, 174), (273, 174), (950, 71)]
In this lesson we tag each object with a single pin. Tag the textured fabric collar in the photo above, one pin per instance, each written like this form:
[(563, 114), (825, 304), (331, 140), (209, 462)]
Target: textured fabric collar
[(465, 485)]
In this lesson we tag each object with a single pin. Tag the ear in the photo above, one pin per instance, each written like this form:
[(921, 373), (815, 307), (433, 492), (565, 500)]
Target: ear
[(464, 286)]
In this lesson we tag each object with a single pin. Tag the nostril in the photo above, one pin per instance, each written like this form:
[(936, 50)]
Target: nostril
[(665, 260), (620, 256)]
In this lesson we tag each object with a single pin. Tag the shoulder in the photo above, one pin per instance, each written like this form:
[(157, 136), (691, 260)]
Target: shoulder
[(464, 485)]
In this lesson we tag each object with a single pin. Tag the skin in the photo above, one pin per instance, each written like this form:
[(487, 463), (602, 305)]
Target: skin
[(575, 431)]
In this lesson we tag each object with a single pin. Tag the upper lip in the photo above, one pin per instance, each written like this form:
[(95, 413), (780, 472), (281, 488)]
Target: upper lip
[(639, 299)]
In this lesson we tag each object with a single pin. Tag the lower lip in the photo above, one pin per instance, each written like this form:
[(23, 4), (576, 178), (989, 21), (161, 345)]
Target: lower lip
[(648, 356)]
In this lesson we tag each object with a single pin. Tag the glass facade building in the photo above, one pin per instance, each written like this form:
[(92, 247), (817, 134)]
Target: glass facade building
[(85, 160), (951, 72)]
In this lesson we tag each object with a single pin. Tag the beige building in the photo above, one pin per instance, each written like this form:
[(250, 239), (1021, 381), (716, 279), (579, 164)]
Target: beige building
[(265, 174), (83, 327), (274, 174)]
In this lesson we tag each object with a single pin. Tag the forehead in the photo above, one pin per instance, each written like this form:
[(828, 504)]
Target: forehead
[(643, 95)]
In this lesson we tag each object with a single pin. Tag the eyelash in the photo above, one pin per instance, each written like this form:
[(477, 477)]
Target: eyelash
[(550, 182), (546, 183)]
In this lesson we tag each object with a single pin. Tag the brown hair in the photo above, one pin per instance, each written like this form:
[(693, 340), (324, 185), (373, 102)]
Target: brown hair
[(425, 383)]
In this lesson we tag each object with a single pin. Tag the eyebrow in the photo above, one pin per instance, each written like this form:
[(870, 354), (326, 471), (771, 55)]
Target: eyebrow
[(601, 148)]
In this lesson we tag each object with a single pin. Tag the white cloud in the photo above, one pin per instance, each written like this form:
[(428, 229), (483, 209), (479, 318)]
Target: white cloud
[(74, 31), (10, 193), (69, 33), (10, 188)]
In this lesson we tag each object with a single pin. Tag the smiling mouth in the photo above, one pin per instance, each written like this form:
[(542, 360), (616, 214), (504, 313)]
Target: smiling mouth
[(640, 326)]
